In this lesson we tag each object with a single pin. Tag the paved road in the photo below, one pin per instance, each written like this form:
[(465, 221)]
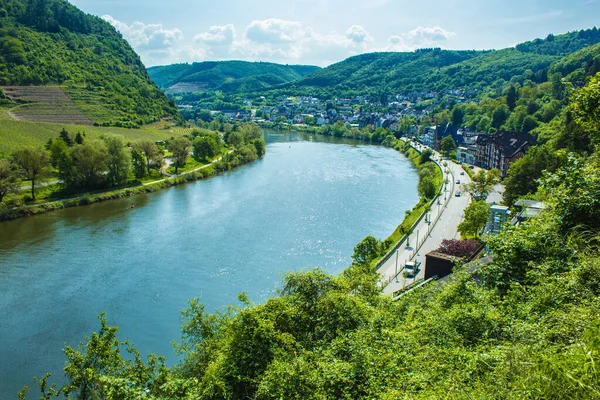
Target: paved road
[(429, 236)]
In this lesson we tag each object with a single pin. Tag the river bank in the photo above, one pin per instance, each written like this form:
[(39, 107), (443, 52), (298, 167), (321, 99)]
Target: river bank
[(206, 171)]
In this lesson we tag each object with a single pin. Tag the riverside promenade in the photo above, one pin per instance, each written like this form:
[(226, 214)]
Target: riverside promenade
[(440, 223)]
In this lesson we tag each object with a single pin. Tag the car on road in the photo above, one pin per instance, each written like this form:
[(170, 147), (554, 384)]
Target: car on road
[(458, 181), (411, 268), (462, 172), (457, 194), (472, 167)]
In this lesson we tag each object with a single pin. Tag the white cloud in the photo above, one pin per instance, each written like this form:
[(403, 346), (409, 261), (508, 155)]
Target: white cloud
[(154, 43), (418, 38), (217, 34), (275, 31), (358, 34), (427, 36), (276, 40)]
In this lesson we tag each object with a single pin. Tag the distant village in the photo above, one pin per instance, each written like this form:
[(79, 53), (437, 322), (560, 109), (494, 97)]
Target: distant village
[(487, 151)]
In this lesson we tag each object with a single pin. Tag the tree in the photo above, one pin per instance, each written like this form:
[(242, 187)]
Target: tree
[(62, 161), (64, 135), (448, 145), (149, 150), (523, 174), (79, 138), (8, 178), (483, 183), (427, 188), (138, 163), (458, 115), (500, 115), (34, 162), (205, 147), (558, 86), (476, 215), (426, 156), (260, 146), (458, 248), (180, 147), (118, 161), (89, 161), (511, 98), (366, 250)]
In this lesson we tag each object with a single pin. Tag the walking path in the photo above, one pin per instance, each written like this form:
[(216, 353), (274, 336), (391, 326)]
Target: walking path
[(440, 223)]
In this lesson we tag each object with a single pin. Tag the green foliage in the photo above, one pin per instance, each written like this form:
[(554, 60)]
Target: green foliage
[(425, 156), (228, 76), (447, 146), (34, 162), (205, 147), (483, 183), (50, 42), (118, 161), (8, 179), (180, 147), (366, 250), (477, 214)]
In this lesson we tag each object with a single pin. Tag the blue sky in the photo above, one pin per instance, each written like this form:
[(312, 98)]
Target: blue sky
[(322, 32)]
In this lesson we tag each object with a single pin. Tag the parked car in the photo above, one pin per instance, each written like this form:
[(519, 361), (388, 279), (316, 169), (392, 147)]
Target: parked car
[(458, 181), (457, 194), (472, 167)]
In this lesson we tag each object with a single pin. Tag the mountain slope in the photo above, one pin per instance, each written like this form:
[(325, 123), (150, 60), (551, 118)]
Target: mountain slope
[(51, 42), (228, 76), (435, 69)]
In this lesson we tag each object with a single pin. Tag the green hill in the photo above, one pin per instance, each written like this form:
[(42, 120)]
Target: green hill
[(51, 42), (227, 76), (436, 69)]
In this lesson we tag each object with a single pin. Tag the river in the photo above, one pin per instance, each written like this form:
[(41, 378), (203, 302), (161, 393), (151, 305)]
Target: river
[(306, 203)]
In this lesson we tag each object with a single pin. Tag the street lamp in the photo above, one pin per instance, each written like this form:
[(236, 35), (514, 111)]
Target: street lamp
[(397, 265)]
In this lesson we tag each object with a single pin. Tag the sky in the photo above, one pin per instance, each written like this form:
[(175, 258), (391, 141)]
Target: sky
[(322, 32)]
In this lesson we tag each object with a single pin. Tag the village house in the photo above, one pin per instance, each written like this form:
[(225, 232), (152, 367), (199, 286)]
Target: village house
[(501, 149)]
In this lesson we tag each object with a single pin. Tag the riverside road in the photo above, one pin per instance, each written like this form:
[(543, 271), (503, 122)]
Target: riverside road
[(440, 224)]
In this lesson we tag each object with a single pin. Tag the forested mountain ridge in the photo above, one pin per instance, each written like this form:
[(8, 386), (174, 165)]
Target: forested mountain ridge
[(438, 70), (51, 42), (228, 76)]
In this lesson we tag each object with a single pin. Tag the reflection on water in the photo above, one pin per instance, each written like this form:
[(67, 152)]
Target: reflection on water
[(307, 203)]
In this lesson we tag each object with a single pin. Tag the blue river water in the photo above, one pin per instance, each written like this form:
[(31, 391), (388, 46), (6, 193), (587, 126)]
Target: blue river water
[(305, 204)]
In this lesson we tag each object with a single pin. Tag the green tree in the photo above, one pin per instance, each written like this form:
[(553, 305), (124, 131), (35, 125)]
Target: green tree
[(8, 178), (483, 183), (149, 150), (64, 135), (180, 147), (427, 188), (205, 147), (511, 98), (139, 164), (476, 215), (62, 161), (500, 115), (79, 138), (448, 145), (34, 162), (558, 86), (366, 250), (523, 175), (425, 156), (90, 161), (118, 161), (458, 115), (260, 146)]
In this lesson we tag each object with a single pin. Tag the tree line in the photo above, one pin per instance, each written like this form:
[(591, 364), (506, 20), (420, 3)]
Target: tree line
[(82, 164)]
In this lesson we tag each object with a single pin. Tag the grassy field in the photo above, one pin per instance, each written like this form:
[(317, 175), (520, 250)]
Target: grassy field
[(18, 134)]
